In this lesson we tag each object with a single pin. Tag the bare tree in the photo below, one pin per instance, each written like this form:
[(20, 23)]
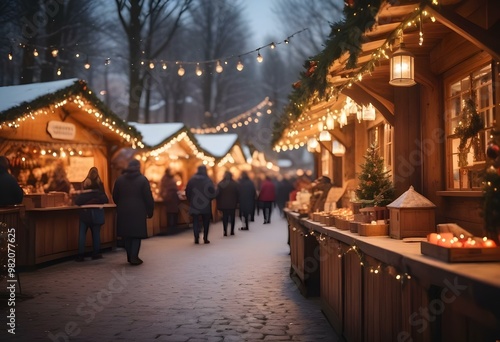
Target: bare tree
[(142, 20)]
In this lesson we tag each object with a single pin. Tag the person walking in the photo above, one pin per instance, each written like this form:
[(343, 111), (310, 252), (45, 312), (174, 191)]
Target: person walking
[(134, 204), (168, 192), (227, 200), (11, 193), (200, 191), (93, 218), (267, 196), (247, 193)]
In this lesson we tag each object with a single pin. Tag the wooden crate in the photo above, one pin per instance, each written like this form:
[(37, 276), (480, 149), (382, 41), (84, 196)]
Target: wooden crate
[(411, 222), (368, 229), (459, 254), (341, 223), (353, 226)]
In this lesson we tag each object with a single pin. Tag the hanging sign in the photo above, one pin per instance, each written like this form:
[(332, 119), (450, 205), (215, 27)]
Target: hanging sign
[(61, 130)]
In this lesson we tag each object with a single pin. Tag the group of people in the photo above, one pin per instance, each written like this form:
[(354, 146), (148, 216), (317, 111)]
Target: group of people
[(230, 195), (135, 204)]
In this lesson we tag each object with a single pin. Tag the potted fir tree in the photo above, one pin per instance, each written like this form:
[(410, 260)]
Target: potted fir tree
[(375, 187)]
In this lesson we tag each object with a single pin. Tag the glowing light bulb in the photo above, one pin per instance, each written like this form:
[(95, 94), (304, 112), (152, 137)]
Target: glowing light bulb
[(181, 71), (35, 52), (199, 72), (55, 52), (239, 66), (219, 67), (151, 65), (259, 58)]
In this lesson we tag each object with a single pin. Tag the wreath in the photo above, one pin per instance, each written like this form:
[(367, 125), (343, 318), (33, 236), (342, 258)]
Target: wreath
[(469, 125)]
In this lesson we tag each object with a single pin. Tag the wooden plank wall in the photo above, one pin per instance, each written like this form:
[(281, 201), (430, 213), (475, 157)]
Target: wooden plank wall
[(353, 297)]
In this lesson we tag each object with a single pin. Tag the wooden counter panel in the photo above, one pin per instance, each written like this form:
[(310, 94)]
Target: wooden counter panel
[(440, 301), (52, 233)]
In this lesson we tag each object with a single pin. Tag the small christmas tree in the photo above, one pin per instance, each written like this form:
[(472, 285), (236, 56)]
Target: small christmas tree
[(375, 187), (491, 198)]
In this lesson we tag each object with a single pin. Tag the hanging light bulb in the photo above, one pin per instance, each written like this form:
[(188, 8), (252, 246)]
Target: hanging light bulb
[(59, 71), (55, 52), (239, 66), (325, 136), (219, 67), (107, 61), (87, 64), (330, 122), (287, 41), (181, 71), (312, 145), (11, 56), (151, 65), (259, 57), (369, 113), (35, 52), (164, 66), (273, 45), (199, 72), (343, 118)]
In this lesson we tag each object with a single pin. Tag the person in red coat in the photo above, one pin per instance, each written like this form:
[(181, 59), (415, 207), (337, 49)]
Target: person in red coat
[(267, 197)]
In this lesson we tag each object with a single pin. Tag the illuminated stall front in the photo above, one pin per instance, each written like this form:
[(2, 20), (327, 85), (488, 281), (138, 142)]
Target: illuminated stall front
[(169, 145), (60, 126)]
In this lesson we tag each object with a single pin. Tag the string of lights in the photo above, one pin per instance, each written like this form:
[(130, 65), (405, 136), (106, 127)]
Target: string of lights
[(152, 63), (240, 120), (374, 268)]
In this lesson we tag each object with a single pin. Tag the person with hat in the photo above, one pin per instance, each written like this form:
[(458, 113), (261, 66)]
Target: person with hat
[(200, 191), (134, 204)]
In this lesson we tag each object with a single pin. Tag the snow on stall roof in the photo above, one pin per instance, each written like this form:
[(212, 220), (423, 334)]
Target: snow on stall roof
[(217, 145), (13, 96), (411, 199), (155, 133)]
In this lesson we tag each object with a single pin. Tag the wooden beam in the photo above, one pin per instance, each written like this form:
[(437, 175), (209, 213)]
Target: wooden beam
[(361, 94), (482, 38)]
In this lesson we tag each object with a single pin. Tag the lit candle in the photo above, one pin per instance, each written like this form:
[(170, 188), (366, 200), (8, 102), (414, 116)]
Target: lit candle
[(488, 243), (470, 243), (433, 238), (447, 235), (456, 244), (444, 242)]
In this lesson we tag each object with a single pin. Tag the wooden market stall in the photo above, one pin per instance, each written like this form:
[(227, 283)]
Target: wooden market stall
[(61, 123), (169, 145), (454, 59)]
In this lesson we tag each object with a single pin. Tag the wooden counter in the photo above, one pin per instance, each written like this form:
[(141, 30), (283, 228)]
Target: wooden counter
[(382, 289), (157, 225), (46, 234)]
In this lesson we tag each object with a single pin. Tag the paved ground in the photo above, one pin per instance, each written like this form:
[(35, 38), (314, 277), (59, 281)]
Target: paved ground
[(236, 288)]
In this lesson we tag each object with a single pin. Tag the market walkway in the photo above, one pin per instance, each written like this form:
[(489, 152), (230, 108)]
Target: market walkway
[(236, 288)]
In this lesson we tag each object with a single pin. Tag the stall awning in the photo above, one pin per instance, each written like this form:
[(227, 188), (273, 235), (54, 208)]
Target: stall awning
[(69, 98), (224, 147)]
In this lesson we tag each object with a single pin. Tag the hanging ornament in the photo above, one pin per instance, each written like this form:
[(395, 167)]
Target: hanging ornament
[(493, 151)]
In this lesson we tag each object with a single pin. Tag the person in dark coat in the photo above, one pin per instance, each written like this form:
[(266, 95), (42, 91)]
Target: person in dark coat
[(267, 196), (283, 189), (134, 204), (247, 193), (93, 218), (11, 193), (168, 192), (227, 200), (200, 191)]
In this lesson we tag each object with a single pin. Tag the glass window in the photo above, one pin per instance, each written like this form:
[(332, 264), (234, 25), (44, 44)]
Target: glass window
[(463, 169)]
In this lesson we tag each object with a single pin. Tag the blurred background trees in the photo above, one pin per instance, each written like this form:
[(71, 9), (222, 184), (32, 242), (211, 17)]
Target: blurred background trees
[(126, 51)]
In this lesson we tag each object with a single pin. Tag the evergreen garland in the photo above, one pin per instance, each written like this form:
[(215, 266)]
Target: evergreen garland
[(375, 187), (78, 88), (491, 194), (346, 36), (469, 125)]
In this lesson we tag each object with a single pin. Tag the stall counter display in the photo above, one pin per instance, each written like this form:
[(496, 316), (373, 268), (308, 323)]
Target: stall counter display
[(411, 215)]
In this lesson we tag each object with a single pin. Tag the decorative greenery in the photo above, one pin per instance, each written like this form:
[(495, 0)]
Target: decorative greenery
[(491, 196), (78, 88), (469, 125), (346, 36), (375, 186)]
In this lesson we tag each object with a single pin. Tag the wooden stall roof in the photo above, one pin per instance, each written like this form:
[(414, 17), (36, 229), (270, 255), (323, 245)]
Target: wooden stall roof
[(173, 138), (363, 74), (224, 147), (74, 98)]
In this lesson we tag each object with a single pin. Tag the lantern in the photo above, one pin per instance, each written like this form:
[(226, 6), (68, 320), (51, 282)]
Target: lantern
[(369, 112), (338, 149), (402, 68), (325, 136)]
